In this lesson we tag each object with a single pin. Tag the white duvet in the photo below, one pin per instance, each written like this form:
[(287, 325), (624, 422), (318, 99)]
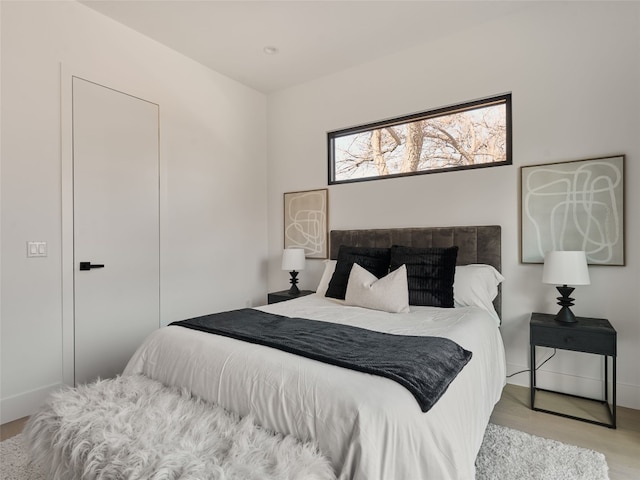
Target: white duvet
[(370, 427)]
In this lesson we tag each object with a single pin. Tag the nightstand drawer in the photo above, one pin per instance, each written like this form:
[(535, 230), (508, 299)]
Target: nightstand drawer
[(579, 341)]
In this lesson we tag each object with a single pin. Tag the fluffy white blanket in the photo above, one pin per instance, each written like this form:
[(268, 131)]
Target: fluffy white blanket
[(135, 428)]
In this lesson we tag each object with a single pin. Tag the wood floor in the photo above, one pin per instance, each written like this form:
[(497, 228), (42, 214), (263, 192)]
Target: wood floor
[(10, 429), (621, 446)]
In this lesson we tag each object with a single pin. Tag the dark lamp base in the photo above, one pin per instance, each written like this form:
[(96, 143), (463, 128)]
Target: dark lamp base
[(565, 315), (294, 290)]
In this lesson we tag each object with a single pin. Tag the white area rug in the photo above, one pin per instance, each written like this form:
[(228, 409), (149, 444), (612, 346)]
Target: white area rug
[(97, 443), (15, 461), (508, 454)]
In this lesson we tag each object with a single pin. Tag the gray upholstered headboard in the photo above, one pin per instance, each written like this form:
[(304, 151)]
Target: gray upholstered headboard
[(476, 244)]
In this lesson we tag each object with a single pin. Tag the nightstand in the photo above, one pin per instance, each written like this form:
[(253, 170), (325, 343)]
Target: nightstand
[(284, 295), (587, 335)]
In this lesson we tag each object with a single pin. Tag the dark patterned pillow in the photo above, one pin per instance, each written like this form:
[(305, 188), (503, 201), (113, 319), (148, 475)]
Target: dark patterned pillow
[(430, 273), (374, 260)]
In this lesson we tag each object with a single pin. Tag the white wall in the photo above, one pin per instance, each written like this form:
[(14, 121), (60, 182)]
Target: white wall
[(213, 181), (574, 71)]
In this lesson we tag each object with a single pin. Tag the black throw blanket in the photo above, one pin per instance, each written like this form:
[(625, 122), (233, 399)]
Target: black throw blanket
[(423, 365)]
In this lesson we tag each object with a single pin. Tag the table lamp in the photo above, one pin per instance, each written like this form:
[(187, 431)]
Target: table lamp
[(565, 268), (293, 260)]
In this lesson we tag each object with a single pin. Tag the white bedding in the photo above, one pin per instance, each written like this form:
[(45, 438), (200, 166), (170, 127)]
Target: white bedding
[(370, 427)]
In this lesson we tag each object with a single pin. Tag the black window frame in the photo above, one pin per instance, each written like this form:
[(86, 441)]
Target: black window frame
[(437, 112)]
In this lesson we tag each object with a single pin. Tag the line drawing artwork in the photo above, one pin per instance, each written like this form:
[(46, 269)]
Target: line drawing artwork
[(574, 206), (306, 222)]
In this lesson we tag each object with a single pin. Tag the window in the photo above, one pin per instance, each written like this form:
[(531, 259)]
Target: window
[(470, 135)]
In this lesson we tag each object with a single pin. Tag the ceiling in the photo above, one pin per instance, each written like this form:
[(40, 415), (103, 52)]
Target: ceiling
[(313, 38)]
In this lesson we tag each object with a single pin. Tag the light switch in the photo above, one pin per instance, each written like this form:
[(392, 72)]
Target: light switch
[(36, 249)]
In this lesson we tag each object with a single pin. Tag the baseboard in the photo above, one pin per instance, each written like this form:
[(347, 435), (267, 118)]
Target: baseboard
[(627, 395), (24, 404)]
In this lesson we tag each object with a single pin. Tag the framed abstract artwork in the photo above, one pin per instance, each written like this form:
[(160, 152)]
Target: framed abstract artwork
[(576, 205), (305, 222)]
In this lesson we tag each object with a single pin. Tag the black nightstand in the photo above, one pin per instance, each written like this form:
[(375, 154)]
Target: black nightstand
[(587, 335), (276, 297)]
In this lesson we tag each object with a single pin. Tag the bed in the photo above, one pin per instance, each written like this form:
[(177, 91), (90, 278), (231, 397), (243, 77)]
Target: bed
[(370, 427)]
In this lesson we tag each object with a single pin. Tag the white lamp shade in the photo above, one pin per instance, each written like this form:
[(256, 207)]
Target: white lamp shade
[(293, 259), (565, 268)]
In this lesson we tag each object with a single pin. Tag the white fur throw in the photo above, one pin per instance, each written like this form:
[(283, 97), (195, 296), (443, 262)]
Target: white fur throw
[(135, 428)]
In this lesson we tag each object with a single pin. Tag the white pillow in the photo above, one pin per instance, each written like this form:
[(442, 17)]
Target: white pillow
[(329, 268), (389, 294), (476, 286)]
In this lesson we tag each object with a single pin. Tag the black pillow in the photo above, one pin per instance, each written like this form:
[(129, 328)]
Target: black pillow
[(374, 260), (430, 273)]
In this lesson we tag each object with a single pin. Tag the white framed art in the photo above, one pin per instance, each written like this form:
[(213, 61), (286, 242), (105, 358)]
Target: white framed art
[(305, 222), (575, 205)]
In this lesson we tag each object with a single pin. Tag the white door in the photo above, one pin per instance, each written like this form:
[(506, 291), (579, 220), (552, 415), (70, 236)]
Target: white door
[(116, 227)]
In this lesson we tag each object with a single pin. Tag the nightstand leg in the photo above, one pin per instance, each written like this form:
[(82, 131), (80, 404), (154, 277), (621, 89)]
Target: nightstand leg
[(606, 379), (533, 376), (613, 407)]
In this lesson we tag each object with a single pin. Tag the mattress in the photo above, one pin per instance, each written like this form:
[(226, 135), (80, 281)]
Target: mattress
[(370, 427)]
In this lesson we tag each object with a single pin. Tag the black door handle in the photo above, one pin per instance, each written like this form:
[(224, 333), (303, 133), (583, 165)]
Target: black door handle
[(89, 265)]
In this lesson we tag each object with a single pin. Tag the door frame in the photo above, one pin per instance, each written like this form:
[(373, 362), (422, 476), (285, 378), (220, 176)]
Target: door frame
[(67, 261)]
